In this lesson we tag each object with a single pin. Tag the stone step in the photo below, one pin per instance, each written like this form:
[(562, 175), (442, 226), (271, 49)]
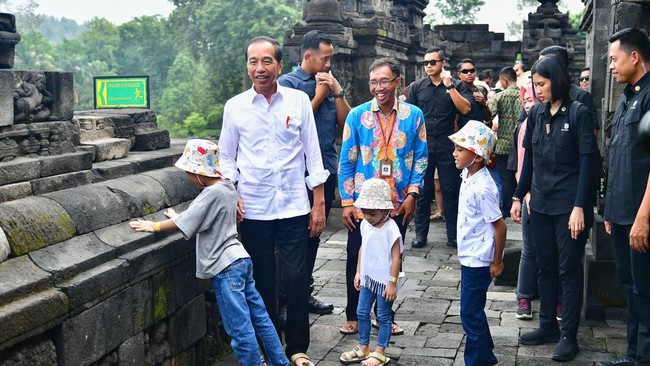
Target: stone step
[(151, 140), (109, 148)]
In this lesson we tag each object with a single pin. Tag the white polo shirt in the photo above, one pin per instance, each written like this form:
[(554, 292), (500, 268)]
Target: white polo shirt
[(478, 208)]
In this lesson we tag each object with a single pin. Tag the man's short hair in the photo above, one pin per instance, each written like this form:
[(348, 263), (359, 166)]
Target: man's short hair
[(392, 64), (465, 61), (485, 74), (312, 40), (508, 73), (440, 51), (558, 51), (633, 39), (585, 69), (276, 45), (552, 68)]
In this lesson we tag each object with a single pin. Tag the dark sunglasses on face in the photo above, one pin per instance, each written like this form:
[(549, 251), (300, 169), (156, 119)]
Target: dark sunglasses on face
[(584, 78), (431, 62), (468, 71)]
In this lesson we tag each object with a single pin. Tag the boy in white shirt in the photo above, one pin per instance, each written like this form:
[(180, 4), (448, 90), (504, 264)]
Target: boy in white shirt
[(481, 237)]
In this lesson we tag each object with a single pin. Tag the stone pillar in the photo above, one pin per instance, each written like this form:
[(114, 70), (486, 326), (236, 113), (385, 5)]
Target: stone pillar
[(9, 38)]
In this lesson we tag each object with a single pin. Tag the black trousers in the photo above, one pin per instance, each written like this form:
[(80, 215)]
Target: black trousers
[(440, 156), (353, 246), (634, 272), (260, 238), (558, 255), (508, 184)]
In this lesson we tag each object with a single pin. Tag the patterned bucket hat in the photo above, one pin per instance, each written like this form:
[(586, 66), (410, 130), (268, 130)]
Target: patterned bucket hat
[(476, 137), (200, 157), (375, 195)]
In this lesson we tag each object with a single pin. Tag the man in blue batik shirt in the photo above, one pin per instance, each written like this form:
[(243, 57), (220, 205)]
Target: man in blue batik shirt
[(330, 109)]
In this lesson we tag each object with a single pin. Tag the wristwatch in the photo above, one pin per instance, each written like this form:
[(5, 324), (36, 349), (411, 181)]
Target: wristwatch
[(392, 279), (340, 95), (413, 194), (451, 86)]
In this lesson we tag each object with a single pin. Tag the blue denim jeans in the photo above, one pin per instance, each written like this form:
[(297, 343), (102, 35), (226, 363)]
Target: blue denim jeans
[(527, 277), (244, 315), (474, 283), (366, 299)]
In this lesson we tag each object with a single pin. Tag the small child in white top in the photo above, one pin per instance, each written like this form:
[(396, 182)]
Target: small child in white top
[(377, 271), (481, 237)]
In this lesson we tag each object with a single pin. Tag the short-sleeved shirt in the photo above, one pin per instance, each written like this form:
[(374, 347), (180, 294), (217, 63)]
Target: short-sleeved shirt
[(478, 208), (325, 115), (584, 97), (629, 165), (476, 113), (212, 217), (436, 104), (507, 105), (556, 156)]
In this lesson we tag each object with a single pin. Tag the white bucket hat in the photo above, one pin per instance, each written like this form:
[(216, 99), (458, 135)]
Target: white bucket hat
[(476, 137), (200, 157), (375, 195)]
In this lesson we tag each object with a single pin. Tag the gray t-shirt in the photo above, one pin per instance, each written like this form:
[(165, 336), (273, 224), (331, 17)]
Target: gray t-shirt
[(212, 217)]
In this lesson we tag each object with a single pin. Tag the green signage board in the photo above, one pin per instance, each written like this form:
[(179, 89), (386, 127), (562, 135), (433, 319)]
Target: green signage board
[(121, 91)]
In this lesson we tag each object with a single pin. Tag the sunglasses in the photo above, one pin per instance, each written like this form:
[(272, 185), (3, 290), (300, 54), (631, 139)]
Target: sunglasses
[(467, 71), (584, 78), (431, 62)]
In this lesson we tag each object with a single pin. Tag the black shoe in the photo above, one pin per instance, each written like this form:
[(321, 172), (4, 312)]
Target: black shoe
[(540, 336), (625, 361), (418, 243), (566, 350), (318, 307), (282, 315), (452, 243)]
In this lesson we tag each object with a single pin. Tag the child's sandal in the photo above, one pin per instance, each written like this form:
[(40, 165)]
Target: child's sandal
[(379, 357), (354, 356), (297, 356)]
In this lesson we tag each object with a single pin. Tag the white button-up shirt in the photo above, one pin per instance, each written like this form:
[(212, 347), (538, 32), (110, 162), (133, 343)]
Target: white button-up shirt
[(265, 147)]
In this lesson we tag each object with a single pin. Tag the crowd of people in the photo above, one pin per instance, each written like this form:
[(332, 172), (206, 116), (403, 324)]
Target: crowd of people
[(523, 149)]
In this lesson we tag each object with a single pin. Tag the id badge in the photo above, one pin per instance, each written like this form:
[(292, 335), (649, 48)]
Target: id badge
[(386, 168)]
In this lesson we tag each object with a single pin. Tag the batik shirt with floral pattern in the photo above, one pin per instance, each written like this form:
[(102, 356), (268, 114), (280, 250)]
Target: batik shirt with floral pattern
[(364, 147)]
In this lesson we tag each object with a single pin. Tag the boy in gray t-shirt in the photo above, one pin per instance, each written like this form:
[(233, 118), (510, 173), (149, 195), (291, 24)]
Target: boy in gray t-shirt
[(212, 218)]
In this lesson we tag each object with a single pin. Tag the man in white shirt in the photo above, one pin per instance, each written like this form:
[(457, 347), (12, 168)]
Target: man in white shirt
[(267, 139)]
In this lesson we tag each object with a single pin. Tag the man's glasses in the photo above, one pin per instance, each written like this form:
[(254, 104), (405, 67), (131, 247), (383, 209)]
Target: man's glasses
[(431, 62), (468, 71), (584, 78), (384, 83)]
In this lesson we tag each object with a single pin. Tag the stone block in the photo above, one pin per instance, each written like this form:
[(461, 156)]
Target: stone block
[(80, 340), (37, 351), (178, 187), (19, 170), (5, 249), (31, 315), (603, 288), (87, 148), (106, 170), (124, 127), (61, 181), (110, 148), (34, 222), (72, 256), (152, 140), (118, 312), (187, 325), (142, 194), (164, 299), (93, 127), (100, 207), (144, 162), (132, 351), (6, 98), (184, 279), (95, 284), (20, 276), (66, 163), (15, 191), (142, 305), (61, 85), (123, 238), (146, 127)]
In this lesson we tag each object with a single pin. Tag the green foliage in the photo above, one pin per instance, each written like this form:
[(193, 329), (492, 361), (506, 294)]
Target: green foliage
[(56, 30), (34, 52), (454, 12)]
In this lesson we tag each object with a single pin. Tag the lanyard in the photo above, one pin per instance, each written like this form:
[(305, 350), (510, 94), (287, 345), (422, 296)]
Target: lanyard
[(391, 122)]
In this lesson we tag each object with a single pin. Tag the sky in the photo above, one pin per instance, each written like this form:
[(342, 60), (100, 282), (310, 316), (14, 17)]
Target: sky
[(120, 11)]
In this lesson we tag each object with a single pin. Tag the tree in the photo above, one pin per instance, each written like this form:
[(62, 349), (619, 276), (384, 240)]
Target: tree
[(34, 52), (454, 12)]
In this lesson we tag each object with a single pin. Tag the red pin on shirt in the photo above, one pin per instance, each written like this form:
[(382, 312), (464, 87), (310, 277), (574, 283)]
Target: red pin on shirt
[(286, 124)]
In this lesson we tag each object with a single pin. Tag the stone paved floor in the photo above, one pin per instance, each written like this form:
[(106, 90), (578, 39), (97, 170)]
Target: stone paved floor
[(428, 308)]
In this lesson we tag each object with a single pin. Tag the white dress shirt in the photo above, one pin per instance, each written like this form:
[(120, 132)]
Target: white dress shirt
[(265, 147)]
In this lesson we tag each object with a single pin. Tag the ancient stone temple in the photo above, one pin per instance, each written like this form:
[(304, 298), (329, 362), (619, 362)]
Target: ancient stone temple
[(77, 285), (363, 31), (548, 26)]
